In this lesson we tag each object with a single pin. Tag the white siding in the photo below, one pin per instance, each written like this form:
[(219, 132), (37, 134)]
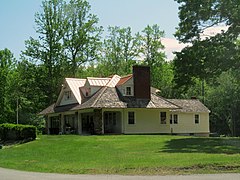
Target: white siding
[(65, 101), (186, 123), (122, 88), (146, 121)]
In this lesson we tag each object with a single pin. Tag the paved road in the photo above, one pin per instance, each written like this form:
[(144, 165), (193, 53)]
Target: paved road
[(6, 174)]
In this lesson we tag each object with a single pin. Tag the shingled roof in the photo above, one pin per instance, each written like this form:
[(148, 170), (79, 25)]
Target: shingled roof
[(189, 105), (110, 97)]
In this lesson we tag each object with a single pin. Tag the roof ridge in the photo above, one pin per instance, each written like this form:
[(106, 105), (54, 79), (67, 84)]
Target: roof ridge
[(165, 99), (98, 78), (127, 75), (76, 78), (100, 94), (112, 79)]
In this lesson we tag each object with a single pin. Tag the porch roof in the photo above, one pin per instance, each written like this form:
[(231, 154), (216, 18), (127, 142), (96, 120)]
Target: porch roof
[(189, 105)]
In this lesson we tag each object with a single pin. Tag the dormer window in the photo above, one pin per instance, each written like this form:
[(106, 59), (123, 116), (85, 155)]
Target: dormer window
[(88, 92), (128, 91), (68, 95)]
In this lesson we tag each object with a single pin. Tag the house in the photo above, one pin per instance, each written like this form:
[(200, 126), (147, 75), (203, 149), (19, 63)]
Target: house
[(123, 105)]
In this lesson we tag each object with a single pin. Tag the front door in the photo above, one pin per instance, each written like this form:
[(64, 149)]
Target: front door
[(87, 120), (112, 122), (54, 125)]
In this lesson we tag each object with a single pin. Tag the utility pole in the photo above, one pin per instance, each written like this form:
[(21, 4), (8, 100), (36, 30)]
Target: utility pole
[(203, 91)]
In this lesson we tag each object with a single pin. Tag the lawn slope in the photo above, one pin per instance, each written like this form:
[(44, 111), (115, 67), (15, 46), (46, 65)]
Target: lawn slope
[(124, 154)]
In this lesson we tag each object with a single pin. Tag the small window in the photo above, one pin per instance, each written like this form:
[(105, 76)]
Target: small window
[(171, 118), (88, 91), (68, 95), (128, 91), (163, 117), (114, 119), (196, 118), (131, 118), (175, 119)]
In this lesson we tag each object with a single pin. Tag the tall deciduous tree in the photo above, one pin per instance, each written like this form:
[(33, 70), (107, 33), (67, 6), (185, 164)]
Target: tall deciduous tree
[(120, 50), (152, 52), (6, 62), (47, 49), (211, 55), (82, 35)]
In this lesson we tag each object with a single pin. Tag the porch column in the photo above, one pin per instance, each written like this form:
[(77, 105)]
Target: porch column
[(79, 123), (76, 123), (98, 121), (47, 119), (62, 123)]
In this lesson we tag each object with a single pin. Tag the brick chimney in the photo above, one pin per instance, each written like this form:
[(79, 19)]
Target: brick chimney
[(141, 80)]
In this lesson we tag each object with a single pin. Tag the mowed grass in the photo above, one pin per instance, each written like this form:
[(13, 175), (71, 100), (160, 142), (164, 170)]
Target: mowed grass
[(124, 154)]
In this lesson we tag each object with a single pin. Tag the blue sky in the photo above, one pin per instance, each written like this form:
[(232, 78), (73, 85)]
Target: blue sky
[(17, 18)]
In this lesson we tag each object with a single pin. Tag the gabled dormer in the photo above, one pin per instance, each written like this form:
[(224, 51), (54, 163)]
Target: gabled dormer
[(70, 93), (92, 85), (126, 86), (136, 84)]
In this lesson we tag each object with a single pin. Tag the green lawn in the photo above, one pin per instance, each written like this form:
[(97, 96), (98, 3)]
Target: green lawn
[(124, 154)]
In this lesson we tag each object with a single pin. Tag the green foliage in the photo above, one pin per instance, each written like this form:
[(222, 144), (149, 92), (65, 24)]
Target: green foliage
[(81, 39), (152, 53), (17, 132), (120, 50), (224, 100), (212, 59), (7, 63)]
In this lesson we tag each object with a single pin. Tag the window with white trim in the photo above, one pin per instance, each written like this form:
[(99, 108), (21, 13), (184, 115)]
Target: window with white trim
[(163, 117), (175, 119), (196, 118), (131, 118), (128, 91)]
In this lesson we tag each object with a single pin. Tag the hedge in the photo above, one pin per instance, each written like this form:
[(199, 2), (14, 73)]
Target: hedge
[(17, 132)]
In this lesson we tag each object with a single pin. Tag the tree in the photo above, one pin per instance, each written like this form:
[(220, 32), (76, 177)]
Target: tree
[(120, 50), (214, 60), (209, 56), (6, 65), (152, 52), (224, 100), (82, 36), (47, 49)]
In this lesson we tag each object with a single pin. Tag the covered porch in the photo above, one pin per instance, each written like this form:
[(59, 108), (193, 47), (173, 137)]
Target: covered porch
[(85, 122)]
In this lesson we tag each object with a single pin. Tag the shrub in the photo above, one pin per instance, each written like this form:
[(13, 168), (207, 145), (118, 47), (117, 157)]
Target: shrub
[(17, 132)]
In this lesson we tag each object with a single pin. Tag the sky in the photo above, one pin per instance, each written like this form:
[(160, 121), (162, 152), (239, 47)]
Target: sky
[(17, 19)]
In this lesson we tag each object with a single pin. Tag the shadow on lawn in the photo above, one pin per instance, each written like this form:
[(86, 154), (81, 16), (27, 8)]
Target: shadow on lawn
[(203, 145)]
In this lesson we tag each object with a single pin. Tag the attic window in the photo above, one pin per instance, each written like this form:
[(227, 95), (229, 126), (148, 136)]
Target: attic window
[(88, 91), (128, 91), (68, 95)]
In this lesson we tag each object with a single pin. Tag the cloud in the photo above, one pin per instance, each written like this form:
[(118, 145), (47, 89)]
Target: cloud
[(172, 45), (213, 31)]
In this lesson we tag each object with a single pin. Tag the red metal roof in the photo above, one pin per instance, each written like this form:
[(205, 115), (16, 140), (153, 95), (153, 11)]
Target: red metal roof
[(124, 79)]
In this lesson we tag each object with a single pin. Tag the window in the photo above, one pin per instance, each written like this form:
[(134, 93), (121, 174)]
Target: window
[(88, 91), (131, 118), (196, 117), (68, 95), (175, 119), (128, 91), (163, 117), (110, 118)]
